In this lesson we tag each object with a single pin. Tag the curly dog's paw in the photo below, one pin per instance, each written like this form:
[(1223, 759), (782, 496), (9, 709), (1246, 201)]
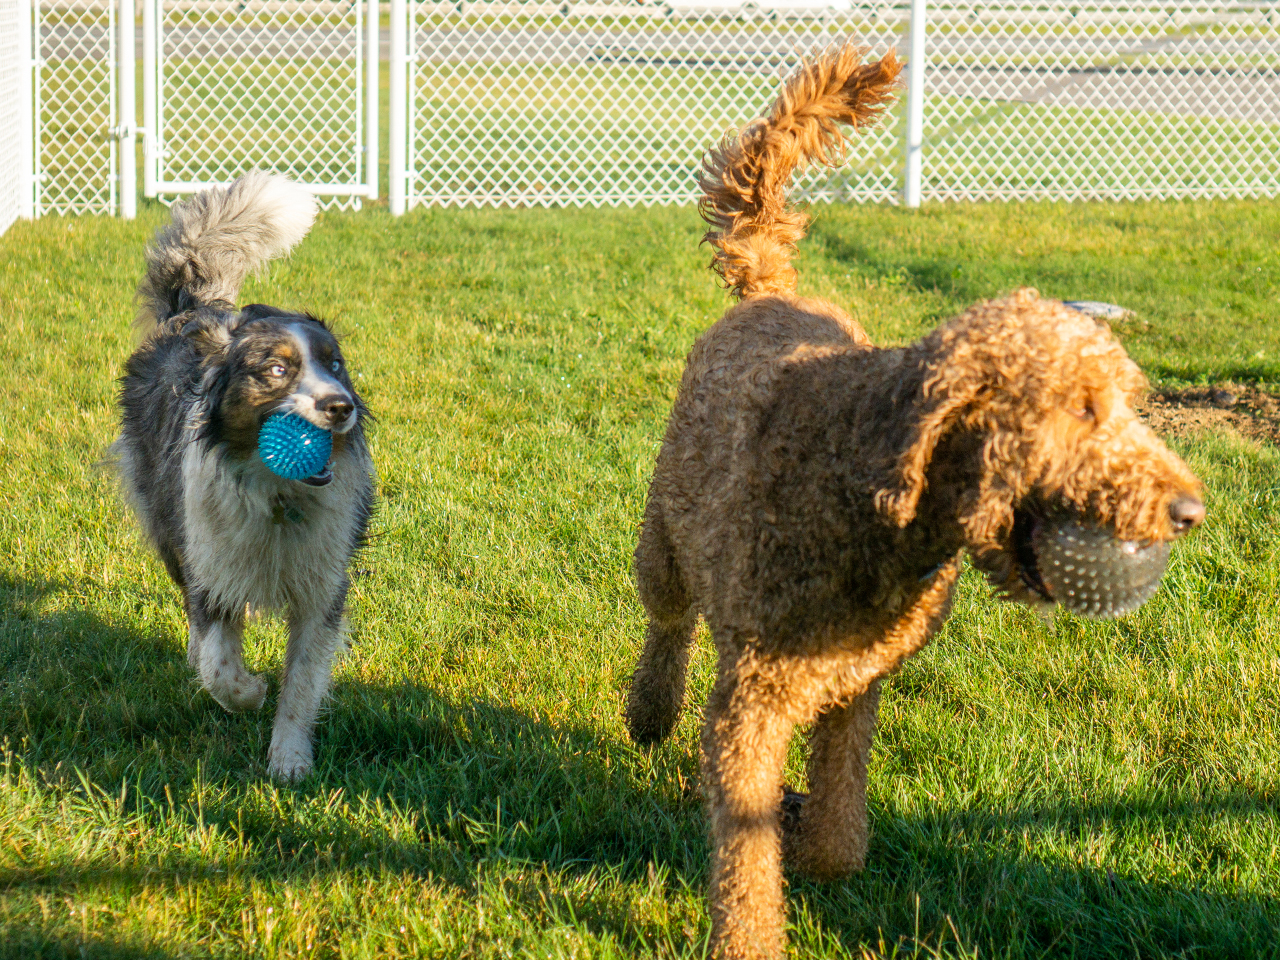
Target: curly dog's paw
[(792, 804), (791, 807), (809, 850), (650, 719)]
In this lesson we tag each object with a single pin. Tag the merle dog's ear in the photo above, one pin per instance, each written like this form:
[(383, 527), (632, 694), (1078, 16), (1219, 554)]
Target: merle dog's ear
[(941, 409), (209, 336)]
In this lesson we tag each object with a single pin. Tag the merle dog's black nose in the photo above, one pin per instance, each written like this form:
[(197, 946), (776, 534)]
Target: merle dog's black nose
[(336, 407), (1187, 513)]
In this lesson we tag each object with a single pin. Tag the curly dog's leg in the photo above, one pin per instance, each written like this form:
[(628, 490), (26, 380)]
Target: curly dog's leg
[(657, 686), (744, 744), (830, 840)]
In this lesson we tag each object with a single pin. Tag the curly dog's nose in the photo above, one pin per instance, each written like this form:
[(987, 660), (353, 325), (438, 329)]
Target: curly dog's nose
[(1187, 513)]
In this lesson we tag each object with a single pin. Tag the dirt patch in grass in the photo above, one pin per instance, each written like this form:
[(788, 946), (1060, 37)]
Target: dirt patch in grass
[(1248, 410)]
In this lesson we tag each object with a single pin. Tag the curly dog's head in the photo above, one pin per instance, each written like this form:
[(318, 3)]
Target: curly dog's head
[(1030, 406)]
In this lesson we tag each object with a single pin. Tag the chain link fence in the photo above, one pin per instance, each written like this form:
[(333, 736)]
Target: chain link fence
[(1118, 101), (529, 103), (75, 107), (276, 84), (536, 104)]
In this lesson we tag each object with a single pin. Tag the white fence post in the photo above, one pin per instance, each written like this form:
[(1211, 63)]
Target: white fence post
[(150, 122), (397, 175), (128, 109), (37, 98), (915, 106), (373, 66), (27, 127), (15, 111)]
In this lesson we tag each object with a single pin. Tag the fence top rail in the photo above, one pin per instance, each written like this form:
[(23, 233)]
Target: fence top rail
[(664, 7), (223, 7)]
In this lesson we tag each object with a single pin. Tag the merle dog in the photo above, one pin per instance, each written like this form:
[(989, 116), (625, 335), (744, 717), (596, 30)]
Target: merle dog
[(232, 534)]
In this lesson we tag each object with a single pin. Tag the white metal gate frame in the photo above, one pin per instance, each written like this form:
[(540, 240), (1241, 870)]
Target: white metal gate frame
[(185, 129), (16, 150), (75, 100)]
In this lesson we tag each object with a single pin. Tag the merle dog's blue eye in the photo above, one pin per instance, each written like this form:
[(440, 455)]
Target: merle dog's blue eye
[(335, 366)]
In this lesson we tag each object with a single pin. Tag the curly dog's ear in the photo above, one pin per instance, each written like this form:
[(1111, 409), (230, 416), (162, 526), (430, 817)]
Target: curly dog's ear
[(898, 501)]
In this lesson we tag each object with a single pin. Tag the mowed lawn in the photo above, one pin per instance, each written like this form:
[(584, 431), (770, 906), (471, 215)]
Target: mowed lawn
[(1058, 789)]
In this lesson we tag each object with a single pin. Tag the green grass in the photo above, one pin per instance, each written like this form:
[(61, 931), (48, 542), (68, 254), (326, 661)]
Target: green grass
[(1062, 789)]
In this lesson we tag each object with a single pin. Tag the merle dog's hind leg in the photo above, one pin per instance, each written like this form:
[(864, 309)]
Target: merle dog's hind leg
[(657, 686), (314, 638), (216, 644), (194, 635)]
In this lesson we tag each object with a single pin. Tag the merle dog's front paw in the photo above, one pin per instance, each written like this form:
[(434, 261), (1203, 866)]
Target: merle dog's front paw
[(247, 691), (290, 760)]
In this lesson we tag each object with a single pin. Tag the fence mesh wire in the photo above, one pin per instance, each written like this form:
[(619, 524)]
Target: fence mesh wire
[(13, 53), (75, 162), (535, 104), (522, 103), (571, 104), (1102, 101), (275, 84)]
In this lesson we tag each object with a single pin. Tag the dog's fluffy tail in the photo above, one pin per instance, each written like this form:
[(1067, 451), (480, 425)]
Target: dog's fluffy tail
[(744, 179), (216, 238)]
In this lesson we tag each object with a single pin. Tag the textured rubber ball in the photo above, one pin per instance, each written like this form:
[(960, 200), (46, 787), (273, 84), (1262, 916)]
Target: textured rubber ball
[(1091, 572), (293, 447)]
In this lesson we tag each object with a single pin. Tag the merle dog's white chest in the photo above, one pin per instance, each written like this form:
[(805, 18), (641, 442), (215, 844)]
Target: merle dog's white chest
[(253, 538)]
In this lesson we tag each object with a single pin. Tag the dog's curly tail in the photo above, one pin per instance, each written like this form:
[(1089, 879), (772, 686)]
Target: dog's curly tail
[(744, 179), (215, 239)]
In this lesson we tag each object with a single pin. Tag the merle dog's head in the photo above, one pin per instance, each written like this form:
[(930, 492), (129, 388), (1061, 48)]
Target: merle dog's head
[(266, 361)]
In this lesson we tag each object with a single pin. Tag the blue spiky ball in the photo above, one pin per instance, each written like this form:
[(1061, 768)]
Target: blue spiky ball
[(293, 447)]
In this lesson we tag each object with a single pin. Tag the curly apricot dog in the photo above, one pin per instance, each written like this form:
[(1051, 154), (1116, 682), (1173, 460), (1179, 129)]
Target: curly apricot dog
[(814, 497)]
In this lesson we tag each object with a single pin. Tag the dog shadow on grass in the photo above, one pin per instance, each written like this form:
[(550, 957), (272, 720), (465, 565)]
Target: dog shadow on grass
[(949, 879), (91, 708), (499, 785), (84, 687), (489, 799)]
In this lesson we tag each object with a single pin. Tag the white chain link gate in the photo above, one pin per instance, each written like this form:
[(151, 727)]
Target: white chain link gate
[(537, 104), (283, 85), (1101, 100), (549, 104), (75, 107)]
